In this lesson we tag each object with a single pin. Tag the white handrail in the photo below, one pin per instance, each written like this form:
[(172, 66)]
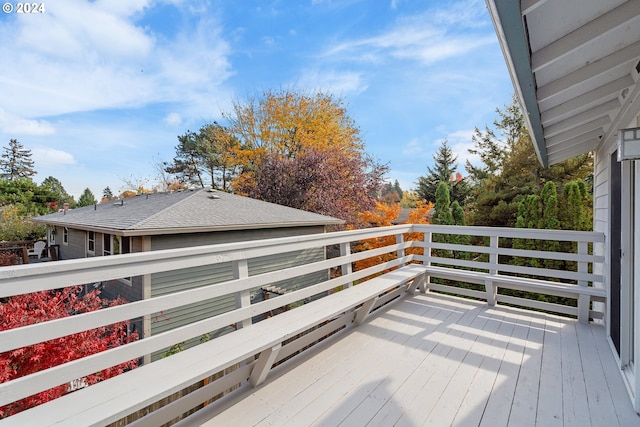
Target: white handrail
[(17, 280)]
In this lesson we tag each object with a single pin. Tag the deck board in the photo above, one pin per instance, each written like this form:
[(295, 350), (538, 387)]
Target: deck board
[(438, 360), (549, 410)]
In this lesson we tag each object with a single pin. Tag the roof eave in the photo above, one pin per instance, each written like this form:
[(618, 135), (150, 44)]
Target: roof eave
[(509, 25), (187, 230)]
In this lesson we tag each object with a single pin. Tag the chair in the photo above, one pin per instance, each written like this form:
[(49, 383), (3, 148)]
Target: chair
[(38, 247)]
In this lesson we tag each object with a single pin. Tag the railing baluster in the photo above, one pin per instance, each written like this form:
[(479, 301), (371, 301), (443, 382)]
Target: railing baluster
[(400, 240), (346, 268)]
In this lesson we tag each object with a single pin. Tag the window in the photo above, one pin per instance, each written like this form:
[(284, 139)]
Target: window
[(91, 242), (65, 236), (115, 245), (106, 244)]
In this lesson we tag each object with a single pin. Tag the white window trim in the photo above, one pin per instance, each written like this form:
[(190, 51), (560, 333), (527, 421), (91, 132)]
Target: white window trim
[(89, 240)]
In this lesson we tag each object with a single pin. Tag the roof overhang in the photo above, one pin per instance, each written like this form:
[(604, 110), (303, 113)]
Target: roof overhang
[(189, 230), (574, 66)]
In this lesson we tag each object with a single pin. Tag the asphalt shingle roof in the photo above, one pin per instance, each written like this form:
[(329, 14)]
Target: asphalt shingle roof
[(185, 211)]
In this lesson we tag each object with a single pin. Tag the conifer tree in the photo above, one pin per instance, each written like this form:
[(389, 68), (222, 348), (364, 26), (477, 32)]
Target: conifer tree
[(550, 221), (57, 191), (442, 213), (518, 173), (443, 170), (107, 193), (87, 198), (16, 162)]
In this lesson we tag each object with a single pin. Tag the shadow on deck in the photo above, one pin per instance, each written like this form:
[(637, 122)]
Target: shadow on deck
[(440, 360)]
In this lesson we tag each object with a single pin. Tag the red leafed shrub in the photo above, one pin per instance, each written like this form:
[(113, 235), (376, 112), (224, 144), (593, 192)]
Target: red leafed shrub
[(27, 309), (8, 258)]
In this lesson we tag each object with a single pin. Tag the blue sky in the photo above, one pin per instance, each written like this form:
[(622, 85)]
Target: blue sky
[(99, 90)]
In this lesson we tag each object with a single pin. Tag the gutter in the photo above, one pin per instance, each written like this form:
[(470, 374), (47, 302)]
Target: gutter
[(512, 36)]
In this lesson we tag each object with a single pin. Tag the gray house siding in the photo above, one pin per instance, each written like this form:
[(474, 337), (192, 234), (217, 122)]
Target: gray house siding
[(186, 219), (75, 246), (167, 283)]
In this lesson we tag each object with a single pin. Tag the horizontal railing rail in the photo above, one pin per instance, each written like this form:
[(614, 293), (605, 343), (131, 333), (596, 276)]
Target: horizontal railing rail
[(572, 270), (492, 250)]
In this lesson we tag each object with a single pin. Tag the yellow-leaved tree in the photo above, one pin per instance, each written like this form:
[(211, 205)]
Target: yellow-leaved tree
[(304, 151)]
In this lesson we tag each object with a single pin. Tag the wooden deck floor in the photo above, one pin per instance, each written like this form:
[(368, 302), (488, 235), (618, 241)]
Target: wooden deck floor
[(439, 360)]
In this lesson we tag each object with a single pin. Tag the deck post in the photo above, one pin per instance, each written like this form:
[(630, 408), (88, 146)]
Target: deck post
[(584, 301), (426, 279), (243, 298), (491, 289), (346, 268)]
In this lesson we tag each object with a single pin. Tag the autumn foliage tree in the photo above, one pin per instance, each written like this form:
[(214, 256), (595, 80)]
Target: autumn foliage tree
[(28, 309), (317, 180), (304, 151), (386, 215)]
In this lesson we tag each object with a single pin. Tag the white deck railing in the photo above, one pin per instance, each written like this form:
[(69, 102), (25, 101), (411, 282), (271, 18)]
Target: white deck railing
[(485, 261)]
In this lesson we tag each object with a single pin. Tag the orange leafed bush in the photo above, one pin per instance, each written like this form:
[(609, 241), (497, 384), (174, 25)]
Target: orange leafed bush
[(385, 215)]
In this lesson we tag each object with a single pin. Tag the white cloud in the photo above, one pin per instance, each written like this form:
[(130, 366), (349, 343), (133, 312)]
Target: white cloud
[(458, 141), (173, 119), (15, 125), (332, 81), (51, 158), (84, 56), (414, 148), (427, 38)]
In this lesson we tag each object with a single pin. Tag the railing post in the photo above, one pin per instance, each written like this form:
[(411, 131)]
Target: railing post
[(400, 240), (346, 268), (583, 300), (490, 288), (243, 298), (424, 284)]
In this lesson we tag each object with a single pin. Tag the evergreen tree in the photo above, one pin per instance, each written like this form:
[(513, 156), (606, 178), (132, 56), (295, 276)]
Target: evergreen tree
[(519, 174), (87, 198), (576, 206), (389, 194), (16, 162), (443, 171), (549, 198), (457, 214), (396, 186), (28, 197), (491, 152), (550, 221), (57, 190), (107, 193), (209, 157), (528, 217), (442, 214)]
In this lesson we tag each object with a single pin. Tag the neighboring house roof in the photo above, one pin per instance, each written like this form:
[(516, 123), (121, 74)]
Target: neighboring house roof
[(187, 211), (403, 216), (574, 65)]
